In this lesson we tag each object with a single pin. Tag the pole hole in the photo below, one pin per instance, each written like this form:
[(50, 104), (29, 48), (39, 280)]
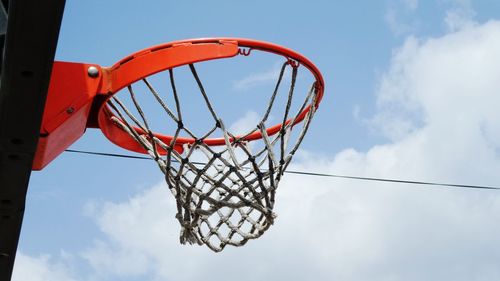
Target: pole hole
[(13, 157), (17, 141), (27, 73), (6, 201)]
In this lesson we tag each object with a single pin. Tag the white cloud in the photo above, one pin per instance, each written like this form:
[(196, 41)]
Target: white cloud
[(398, 16), (411, 4), (438, 103), (396, 24), (246, 123), (142, 236), (261, 78), (460, 16), (42, 268)]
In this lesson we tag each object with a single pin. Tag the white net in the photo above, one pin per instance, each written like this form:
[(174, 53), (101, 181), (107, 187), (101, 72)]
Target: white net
[(226, 196)]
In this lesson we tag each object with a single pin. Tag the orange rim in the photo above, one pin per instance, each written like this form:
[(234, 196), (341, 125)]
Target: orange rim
[(174, 54)]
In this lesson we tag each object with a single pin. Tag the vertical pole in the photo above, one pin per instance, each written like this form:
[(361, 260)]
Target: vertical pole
[(28, 53)]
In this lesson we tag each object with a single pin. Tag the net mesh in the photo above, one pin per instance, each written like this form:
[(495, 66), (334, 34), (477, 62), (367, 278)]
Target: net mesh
[(228, 197)]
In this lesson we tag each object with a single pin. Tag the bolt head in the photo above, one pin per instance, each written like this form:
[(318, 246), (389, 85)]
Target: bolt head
[(93, 71)]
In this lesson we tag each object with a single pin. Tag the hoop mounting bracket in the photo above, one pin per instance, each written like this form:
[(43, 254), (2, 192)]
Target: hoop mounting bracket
[(72, 88)]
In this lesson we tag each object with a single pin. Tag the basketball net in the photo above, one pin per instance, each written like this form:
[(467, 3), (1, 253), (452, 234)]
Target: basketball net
[(228, 198)]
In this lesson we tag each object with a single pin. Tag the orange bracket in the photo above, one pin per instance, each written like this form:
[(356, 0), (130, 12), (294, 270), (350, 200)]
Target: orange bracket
[(70, 96), (74, 86)]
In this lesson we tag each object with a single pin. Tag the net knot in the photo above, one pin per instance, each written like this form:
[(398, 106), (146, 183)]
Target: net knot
[(189, 235)]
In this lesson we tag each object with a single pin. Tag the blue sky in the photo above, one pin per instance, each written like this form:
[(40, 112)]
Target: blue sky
[(411, 90)]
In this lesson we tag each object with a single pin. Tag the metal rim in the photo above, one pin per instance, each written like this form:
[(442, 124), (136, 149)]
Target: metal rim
[(162, 57)]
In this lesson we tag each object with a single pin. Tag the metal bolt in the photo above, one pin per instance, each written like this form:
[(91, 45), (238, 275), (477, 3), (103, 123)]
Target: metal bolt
[(93, 71), (70, 110)]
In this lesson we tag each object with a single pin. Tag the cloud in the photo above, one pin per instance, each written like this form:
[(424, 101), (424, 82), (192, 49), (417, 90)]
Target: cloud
[(142, 236), (262, 78), (398, 16), (246, 123), (438, 106), (460, 16), (40, 268), (395, 25), (411, 4)]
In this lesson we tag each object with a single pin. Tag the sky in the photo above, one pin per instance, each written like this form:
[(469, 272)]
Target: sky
[(411, 93)]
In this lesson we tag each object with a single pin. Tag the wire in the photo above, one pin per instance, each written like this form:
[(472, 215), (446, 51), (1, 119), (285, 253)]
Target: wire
[(311, 173)]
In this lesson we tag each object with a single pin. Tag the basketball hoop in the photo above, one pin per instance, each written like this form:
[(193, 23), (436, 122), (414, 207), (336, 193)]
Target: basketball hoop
[(229, 197)]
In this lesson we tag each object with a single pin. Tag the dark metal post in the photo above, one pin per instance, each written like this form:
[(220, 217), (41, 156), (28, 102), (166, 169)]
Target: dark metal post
[(28, 55)]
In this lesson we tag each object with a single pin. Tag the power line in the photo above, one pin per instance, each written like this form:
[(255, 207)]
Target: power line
[(310, 173)]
